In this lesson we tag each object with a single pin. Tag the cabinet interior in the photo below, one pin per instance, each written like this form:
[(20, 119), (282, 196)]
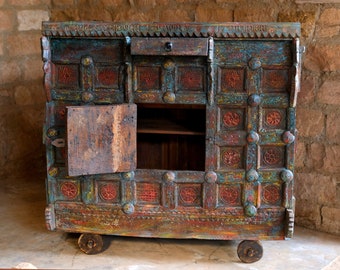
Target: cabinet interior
[(171, 137)]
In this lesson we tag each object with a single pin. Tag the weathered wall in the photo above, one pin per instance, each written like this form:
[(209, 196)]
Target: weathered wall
[(317, 165)]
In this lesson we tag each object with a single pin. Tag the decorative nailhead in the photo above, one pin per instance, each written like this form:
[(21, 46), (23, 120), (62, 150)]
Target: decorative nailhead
[(210, 177), (252, 175), (254, 100), (253, 137), (287, 175)]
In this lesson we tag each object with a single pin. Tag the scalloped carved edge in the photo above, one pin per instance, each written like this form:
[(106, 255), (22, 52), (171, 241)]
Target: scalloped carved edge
[(218, 30), (289, 230), (50, 217)]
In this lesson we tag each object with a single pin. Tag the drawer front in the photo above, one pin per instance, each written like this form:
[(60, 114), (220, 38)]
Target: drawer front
[(169, 46)]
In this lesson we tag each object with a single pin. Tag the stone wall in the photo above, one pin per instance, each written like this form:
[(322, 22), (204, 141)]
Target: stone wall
[(317, 164)]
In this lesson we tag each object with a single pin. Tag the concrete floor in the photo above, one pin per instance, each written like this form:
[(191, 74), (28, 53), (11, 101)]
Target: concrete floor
[(23, 238)]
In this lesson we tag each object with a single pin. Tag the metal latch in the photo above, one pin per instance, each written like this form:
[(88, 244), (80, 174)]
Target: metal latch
[(60, 142)]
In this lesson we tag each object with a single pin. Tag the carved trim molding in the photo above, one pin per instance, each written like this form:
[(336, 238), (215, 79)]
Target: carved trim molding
[(112, 29)]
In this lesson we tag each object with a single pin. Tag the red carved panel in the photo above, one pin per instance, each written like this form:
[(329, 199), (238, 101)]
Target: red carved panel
[(275, 80), (231, 119), (271, 194), (107, 76), (272, 156), (148, 193), (109, 191), (230, 195), (231, 80), (274, 118), (148, 78), (191, 79), (67, 76), (69, 190), (190, 194), (231, 157)]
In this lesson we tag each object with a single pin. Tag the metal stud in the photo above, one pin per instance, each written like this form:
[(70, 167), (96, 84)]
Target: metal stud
[(210, 177), (254, 100), (252, 175), (287, 175)]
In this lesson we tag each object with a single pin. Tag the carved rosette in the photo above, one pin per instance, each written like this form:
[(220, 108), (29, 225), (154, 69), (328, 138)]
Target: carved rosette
[(69, 190), (230, 195)]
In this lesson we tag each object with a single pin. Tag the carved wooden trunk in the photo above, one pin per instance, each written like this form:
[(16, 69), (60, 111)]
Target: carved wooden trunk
[(171, 130)]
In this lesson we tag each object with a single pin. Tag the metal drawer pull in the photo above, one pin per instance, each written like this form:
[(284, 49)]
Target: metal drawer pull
[(168, 46)]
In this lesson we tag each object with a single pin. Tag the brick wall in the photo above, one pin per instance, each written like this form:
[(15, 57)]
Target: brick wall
[(21, 95), (317, 164)]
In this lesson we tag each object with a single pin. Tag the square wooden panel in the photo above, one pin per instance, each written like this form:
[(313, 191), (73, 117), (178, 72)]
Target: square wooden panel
[(275, 80), (231, 80), (101, 139), (272, 156), (190, 194), (107, 77), (273, 118), (231, 158), (229, 195), (108, 191), (68, 190), (191, 79), (271, 194), (148, 78), (231, 118), (67, 76), (148, 193)]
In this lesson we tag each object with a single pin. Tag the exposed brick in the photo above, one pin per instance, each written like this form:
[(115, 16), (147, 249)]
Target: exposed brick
[(331, 162), (62, 3), (9, 72), (307, 185), (307, 93), (31, 19), (306, 18), (330, 16), (333, 127), (22, 96), (29, 94), (323, 57), (329, 92), (329, 222), (5, 97), (25, 3), (307, 214), (23, 44), (317, 155), (310, 122), (300, 154), (144, 4), (174, 15), (206, 13), (93, 11), (255, 13), (1, 45), (322, 32), (316, 1), (32, 68), (6, 20), (134, 15)]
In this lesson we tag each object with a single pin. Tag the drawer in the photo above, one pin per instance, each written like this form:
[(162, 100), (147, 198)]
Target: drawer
[(169, 46)]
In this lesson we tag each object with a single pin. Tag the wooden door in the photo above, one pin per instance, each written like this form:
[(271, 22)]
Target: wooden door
[(101, 139)]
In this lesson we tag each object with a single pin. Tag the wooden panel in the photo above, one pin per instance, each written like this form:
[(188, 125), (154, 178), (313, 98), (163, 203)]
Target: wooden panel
[(101, 139), (160, 46), (101, 50)]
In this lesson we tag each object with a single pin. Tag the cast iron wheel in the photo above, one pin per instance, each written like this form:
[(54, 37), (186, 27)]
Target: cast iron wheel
[(250, 251), (90, 243)]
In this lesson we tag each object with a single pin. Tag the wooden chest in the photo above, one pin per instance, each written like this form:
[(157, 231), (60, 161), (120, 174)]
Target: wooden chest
[(171, 130)]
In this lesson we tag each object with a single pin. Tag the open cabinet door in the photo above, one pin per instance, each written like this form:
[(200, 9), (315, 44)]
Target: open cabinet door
[(101, 139)]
